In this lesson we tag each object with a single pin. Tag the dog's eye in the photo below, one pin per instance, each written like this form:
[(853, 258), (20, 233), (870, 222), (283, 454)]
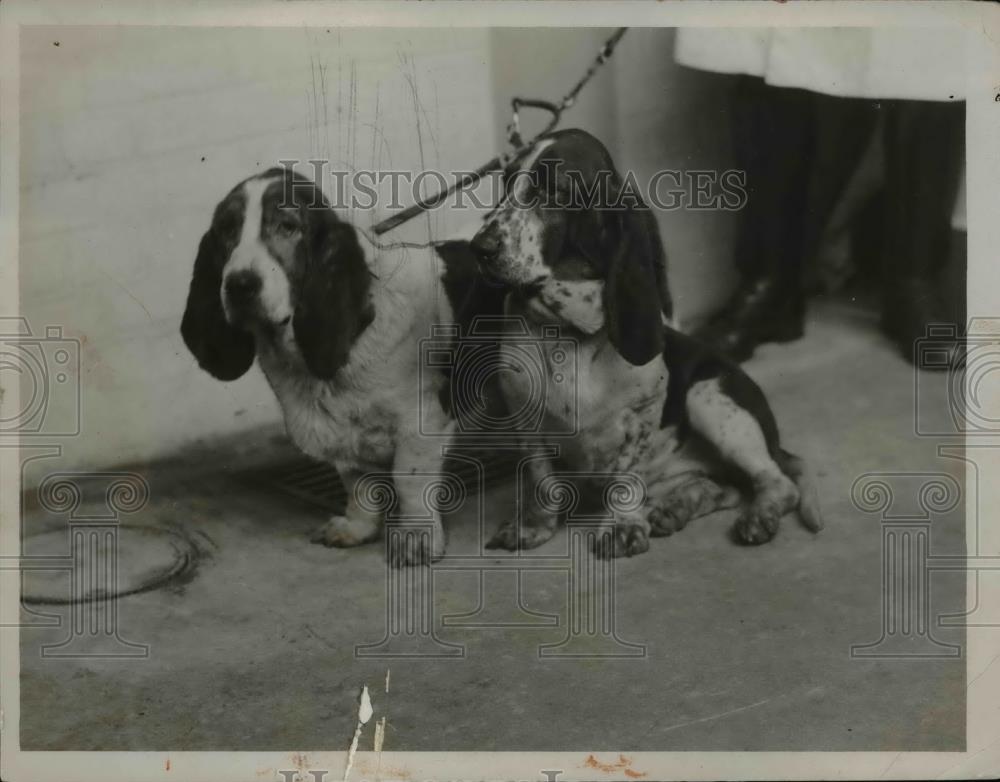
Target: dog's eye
[(287, 224)]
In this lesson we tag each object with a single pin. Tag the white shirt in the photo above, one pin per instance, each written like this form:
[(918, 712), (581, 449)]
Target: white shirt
[(909, 63)]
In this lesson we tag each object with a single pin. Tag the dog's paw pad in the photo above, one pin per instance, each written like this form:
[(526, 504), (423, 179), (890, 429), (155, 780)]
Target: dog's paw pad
[(755, 528), (341, 532), (663, 523), (506, 537)]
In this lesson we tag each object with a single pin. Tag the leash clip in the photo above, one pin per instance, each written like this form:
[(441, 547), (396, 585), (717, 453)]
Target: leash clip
[(514, 128)]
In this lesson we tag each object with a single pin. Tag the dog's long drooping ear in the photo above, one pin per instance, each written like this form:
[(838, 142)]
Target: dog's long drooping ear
[(331, 293), (222, 350), (636, 292)]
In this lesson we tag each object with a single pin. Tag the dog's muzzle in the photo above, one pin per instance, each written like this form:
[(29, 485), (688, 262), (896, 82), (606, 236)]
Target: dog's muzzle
[(242, 290)]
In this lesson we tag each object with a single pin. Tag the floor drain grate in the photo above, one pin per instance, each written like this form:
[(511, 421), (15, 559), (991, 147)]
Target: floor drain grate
[(312, 482), (317, 483)]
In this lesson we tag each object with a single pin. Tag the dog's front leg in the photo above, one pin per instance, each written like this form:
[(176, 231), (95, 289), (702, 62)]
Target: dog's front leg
[(418, 536), (358, 524), (536, 519)]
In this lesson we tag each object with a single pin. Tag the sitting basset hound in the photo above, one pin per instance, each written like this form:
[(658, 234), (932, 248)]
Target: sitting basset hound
[(335, 324), (580, 252)]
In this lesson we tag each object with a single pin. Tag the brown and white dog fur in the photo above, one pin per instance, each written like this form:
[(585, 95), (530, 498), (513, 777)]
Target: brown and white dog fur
[(650, 401), (334, 323)]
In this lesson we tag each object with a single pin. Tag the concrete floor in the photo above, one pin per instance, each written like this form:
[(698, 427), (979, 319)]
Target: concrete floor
[(746, 648)]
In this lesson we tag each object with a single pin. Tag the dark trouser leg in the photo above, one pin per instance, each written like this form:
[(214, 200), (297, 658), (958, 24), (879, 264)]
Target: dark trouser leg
[(844, 129), (798, 150), (924, 150), (772, 130)]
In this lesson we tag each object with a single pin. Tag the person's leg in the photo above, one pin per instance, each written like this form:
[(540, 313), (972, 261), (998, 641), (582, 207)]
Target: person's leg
[(766, 122), (924, 151), (845, 127), (798, 150), (771, 139)]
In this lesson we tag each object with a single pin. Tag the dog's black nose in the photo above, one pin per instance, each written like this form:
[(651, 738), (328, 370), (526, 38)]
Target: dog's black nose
[(486, 243), (242, 285)]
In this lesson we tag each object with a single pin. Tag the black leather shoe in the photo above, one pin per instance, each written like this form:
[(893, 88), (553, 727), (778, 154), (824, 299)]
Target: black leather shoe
[(908, 311), (757, 313)]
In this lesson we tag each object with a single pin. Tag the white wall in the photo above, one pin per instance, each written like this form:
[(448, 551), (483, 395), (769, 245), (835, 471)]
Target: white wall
[(129, 137), (675, 118)]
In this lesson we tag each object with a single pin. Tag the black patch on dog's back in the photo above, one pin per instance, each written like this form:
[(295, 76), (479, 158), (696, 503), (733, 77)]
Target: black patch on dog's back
[(472, 296), (469, 293)]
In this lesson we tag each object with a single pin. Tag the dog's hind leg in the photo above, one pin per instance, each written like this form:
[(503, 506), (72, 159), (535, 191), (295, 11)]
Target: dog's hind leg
[(740, 441)]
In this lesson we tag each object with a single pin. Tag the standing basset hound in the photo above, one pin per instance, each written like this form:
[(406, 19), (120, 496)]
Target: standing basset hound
[(582, 253), (335, 324)]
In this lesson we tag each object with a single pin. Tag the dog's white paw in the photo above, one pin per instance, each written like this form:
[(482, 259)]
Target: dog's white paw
[(628, 537), (343, 532)]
